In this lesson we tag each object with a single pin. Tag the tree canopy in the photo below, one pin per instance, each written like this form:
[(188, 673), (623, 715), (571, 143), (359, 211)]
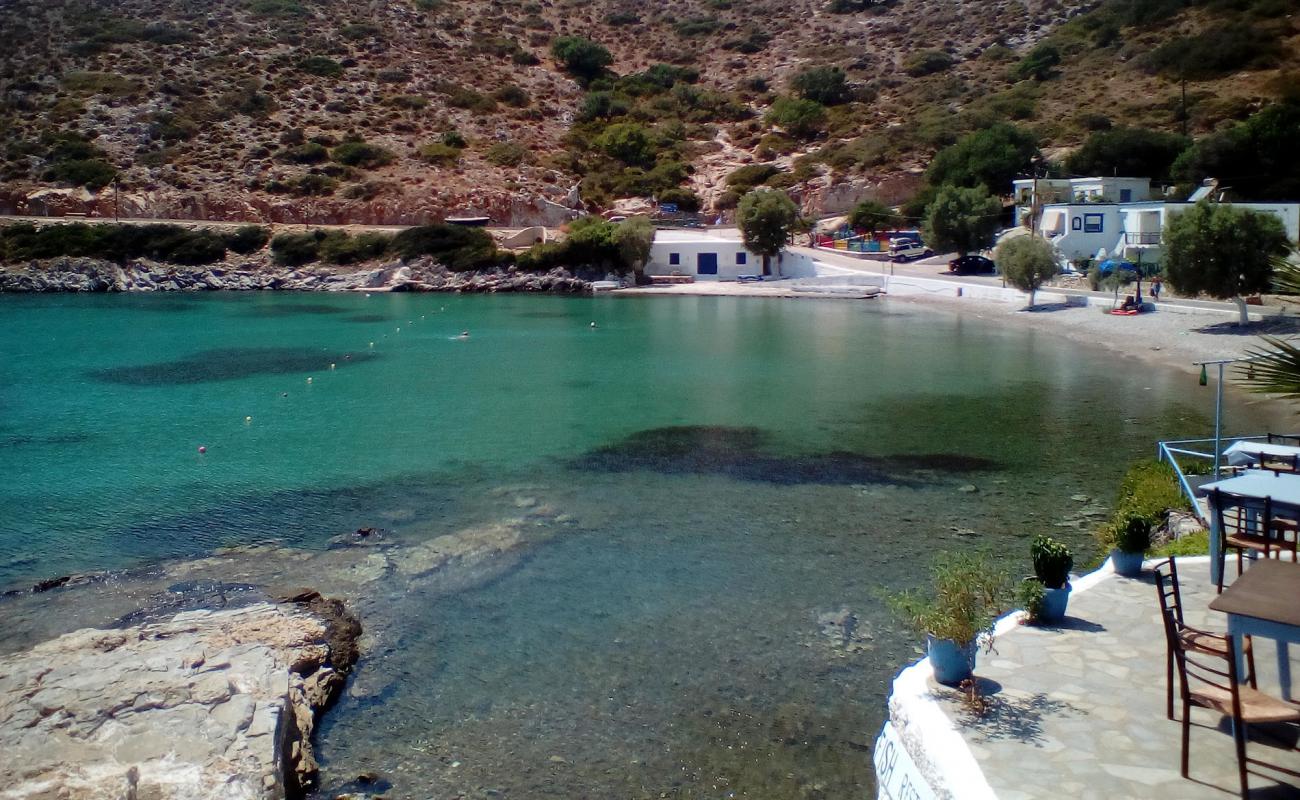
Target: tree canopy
[(962, 219), (633, 237), (992, 158), (825, 85), (1131, 152), (766, 218), (1027, 262), (1257, 158), (799, 117), (1223, 251), (582, 58), (873, 216)]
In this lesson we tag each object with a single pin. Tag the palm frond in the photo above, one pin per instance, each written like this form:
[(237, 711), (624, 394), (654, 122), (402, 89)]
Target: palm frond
[(1286, 275), (1275, 370)]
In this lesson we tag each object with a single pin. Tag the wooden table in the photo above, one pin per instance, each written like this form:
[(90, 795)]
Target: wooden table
[(1265, 601), (1283, 489)]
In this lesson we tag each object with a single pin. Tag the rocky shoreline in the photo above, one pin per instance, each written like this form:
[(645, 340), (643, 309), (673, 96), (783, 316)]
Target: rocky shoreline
[(206, 704), (419, 275)]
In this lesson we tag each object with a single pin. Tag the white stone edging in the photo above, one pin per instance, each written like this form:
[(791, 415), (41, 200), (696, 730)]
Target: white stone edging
[(932, 738)]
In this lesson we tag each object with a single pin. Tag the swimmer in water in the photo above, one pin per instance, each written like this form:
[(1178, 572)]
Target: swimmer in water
[(593, 325), (463, 335)]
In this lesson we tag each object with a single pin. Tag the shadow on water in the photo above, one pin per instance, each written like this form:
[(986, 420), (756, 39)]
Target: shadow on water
[(291, 309), (27, 439), (368, 318), (744, 453), (226, 364)]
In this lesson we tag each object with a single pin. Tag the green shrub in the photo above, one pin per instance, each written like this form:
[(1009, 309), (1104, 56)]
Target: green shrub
[(1040, 63), (506, 154), (581, 57), (167, 243), (1052, 562), (749, 42), (464, 97), (454, 139), (276, 8), (305, 153), (742, 179), (698, 26), (685, 199), (336, 247), (314, 184), (1031, 595), (927, 62), (512, 95), (992, 158), (92, 173), (360, 30), (392, 75), (99, 83), (1128, 151), (797, 116), (296, 249), (1148, 490), (441, 154), (967, 594), (457, 247), (413, 102), (247, 239), (616, 18), (1214, 53), (628, 142), (361, 154), (825, 85), (321, 65)]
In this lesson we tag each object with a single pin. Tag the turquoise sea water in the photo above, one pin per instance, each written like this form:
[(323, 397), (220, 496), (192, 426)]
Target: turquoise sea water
[(735, 470)]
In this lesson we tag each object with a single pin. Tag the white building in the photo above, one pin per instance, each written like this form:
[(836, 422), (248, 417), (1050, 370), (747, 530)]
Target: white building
[(708, 255), (1076, 190), (1131, 230)]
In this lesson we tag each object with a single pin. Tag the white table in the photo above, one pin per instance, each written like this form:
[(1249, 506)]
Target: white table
[(1244, 453), (1254, 484)]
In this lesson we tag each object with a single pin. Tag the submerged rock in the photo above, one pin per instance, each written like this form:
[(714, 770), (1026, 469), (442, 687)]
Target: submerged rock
[(207, 704)]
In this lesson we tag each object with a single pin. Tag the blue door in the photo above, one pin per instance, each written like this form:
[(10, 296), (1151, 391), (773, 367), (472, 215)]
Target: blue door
[(706, 264)]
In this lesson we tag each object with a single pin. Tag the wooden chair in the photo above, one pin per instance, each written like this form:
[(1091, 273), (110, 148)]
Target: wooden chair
[(1208, 677), (1249, 525), (1171, 602)]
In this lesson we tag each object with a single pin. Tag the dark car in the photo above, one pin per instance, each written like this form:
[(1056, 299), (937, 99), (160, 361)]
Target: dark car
[(971, 265)]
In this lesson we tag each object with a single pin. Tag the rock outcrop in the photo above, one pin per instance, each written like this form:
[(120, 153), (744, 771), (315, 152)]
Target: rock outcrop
[(206, 704), (421, 275)]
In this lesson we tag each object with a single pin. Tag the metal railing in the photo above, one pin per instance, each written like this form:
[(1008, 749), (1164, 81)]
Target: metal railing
[(1169, 451), (1143, 238)]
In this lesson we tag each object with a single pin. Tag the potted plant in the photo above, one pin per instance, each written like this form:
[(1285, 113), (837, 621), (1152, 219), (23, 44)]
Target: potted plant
[(1052, 564), (1130, 538), (968, 593)]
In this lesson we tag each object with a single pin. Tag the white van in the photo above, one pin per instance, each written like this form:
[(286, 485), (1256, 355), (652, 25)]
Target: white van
[(908, 250)]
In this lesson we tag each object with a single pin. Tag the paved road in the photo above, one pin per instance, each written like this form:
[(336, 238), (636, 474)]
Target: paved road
[(936, 268)]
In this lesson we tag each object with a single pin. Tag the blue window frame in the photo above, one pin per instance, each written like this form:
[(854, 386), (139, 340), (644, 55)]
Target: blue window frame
[(706, 264), (741, 257), (1094, 223), (1076, 224), (674, 259), (1126, 195)]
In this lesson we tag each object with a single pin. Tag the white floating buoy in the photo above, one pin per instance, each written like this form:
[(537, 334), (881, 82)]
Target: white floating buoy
[(247, 420), (332, 365), (202, 449), (372, 344), (309, 380), (399, 330), (593, 324)]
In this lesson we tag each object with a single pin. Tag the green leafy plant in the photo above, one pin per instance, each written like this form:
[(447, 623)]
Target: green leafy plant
[(1027, 262), (1052, 562), (1133, 535), (968, 592), (1030, 595)]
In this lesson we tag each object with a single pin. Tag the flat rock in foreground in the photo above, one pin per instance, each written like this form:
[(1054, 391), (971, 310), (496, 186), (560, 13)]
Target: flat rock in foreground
[(207, 704)]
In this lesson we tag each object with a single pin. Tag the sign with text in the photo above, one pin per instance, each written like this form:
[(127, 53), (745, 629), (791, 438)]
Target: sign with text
[(897, 776), (668, 208)]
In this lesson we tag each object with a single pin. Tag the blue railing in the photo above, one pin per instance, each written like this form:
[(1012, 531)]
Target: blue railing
[(1169, 452)]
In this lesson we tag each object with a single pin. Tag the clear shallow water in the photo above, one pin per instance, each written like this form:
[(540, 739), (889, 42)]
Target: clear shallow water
[(731, 470)]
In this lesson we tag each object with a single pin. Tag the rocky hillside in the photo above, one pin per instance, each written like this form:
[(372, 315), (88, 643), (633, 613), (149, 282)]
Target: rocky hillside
[(402, 111)]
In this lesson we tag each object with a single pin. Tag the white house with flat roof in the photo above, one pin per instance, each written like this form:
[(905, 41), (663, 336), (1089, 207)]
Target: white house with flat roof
[(708, 255), (1076, 190), (1131, 230)]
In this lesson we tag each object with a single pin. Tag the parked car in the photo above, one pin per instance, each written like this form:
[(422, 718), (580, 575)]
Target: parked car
[(908, 250), (971, 265)]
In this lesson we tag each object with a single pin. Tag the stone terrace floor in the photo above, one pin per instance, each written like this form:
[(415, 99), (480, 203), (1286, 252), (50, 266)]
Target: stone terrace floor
[(1078, 710)]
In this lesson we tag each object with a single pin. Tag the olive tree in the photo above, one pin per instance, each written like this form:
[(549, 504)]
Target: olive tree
[(1027, 262), (873, 216), (633, 237), (766, 218), (1222, 251), (963, 220)]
